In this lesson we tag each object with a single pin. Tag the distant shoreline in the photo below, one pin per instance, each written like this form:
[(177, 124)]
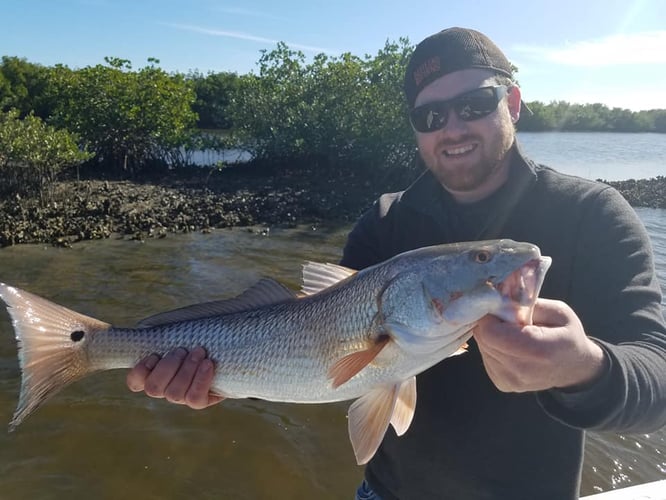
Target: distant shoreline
[(98, 209)]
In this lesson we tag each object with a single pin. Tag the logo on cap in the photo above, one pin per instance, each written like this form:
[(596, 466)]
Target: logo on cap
[(426, 69)]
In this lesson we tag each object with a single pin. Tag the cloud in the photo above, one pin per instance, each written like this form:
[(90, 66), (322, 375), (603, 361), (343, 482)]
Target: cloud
[(642, 98), (248, 37), (613, 50), (249, 13)]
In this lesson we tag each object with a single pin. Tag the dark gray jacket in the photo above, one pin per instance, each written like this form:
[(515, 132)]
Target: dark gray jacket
[(470, 441)]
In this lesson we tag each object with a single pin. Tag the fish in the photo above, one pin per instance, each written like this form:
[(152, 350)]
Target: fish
[(348, 335)]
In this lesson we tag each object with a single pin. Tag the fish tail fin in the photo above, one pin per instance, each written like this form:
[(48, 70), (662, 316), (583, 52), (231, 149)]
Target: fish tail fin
[(52, 344)]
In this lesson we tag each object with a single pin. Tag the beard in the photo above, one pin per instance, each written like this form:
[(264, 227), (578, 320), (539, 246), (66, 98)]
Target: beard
[(466, 174)]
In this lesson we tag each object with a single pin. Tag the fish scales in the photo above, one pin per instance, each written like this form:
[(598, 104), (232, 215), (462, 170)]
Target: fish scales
[(281, 352)]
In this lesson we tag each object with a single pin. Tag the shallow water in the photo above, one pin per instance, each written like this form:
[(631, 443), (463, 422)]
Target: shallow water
[(96, 439), (599, 155)]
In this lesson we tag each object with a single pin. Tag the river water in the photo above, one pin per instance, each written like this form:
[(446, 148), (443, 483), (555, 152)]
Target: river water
[(98, 440)]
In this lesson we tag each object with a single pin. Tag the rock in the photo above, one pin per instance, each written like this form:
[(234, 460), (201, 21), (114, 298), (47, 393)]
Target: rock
[(85, 210)]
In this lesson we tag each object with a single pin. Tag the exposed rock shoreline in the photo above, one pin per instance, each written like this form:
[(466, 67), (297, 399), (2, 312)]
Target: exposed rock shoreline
[(96, 209)]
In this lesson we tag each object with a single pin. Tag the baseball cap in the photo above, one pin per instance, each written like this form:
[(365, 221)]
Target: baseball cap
[(450, 50)]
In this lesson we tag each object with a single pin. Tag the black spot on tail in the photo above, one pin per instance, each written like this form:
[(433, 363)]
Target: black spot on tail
[(77, 336)]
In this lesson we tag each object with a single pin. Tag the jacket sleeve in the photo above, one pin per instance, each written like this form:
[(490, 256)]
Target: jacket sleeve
[(616, 294)]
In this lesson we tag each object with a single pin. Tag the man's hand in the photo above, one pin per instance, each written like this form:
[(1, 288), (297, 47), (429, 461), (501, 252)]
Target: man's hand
[(554, 352), (180, 377)]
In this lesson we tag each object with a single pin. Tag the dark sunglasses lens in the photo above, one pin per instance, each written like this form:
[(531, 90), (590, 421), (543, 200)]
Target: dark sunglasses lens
[(430, 117), (471, 106), (476, 105)]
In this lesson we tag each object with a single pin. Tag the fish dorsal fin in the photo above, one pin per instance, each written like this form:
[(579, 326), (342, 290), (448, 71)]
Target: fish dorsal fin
[(370, 415), (405, 404), (348, 366), (318, 276), (265, 292)]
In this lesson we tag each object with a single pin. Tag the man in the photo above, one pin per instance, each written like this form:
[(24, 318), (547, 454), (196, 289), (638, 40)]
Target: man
[(506, 420)]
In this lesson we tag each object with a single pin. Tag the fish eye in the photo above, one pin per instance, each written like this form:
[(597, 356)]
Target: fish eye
[(482, 256)]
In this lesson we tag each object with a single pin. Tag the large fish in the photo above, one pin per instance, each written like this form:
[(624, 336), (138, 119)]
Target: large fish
[(348, 334)]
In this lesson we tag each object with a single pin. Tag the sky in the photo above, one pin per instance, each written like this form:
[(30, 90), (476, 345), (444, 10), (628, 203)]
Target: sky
[(580, 51)]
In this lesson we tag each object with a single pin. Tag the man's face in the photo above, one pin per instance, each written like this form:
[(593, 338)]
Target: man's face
[(469, 158)]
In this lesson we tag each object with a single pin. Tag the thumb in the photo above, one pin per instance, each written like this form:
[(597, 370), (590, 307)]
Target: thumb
[(548, 312)]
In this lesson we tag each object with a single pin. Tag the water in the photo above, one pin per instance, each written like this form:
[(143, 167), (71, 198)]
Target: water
[(608, 156), (98, 440), (210, 157), (594, 155)]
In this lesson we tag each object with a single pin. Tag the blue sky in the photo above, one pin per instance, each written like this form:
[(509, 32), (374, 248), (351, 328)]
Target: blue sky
[(581, 51)]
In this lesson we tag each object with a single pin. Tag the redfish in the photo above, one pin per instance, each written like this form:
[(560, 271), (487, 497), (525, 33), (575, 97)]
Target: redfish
[(348, 335)]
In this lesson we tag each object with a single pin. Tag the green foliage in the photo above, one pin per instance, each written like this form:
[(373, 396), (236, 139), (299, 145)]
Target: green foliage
[(128, 118), (660, 121), (338, 112), (564, 116), (330, 112), (23, 86), (33, 153), (213, 93)]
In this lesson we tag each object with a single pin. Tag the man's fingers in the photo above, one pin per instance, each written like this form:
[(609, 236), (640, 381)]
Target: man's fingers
[(161, 376), (179, 377), (136, 377), (177, 390), (198, 396), (494, 334)]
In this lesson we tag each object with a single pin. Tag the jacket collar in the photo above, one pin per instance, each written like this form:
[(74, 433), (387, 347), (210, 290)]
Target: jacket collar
[(426, 194)]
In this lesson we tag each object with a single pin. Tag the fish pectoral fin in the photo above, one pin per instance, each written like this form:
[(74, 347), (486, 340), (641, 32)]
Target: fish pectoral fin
[(405, 405), (348, 366), (368, 419), (318, 276)]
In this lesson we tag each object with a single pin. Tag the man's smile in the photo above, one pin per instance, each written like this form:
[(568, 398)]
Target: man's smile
[(459, 151)]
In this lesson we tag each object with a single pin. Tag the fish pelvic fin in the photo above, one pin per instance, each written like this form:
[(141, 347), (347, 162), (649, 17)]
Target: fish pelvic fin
[(370, 415), (348, 366), (52, 347)]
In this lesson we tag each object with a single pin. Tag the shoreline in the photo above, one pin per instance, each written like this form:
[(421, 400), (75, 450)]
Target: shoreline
[(139, 210)]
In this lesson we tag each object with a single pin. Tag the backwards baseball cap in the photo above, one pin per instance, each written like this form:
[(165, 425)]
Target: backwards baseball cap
[(450, 50)]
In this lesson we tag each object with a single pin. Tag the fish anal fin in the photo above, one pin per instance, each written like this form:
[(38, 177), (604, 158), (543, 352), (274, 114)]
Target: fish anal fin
[(368, 419), (348, 366), (405, 405)]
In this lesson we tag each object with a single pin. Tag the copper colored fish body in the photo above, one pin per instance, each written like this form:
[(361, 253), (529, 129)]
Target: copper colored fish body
[(349, 335)]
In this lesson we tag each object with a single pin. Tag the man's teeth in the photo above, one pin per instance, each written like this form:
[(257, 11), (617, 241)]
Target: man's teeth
[(459, 151)]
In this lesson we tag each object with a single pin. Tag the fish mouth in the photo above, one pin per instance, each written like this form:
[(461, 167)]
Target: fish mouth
[(520, 289)]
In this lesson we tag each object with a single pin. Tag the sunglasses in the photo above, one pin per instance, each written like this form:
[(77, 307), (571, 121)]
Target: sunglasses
[(470, 106)]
